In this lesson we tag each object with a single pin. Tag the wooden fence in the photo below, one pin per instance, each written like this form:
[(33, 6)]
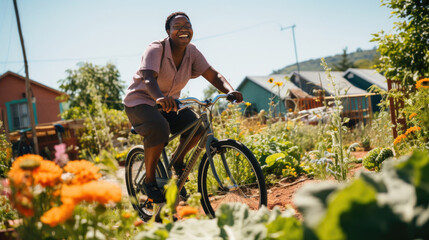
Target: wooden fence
[(396, 105), (355, 107)]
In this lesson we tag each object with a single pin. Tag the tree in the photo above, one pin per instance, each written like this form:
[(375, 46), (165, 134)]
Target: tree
[(105, 79), (344, 64), (210, 91), (405, 52)]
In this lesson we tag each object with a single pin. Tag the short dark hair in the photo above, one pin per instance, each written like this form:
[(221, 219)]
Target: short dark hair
[(171, 16)]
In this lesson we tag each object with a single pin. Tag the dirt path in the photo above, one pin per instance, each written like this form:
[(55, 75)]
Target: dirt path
[(281, 194)]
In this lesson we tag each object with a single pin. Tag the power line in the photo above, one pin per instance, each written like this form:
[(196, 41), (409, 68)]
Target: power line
[(133, 55), (233, 31)]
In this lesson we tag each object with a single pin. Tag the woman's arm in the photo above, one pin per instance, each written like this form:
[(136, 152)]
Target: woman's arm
[(150, 79), (219, 82)]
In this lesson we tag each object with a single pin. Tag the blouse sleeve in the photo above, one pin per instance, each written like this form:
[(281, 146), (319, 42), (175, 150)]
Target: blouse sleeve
[(199, 64), (151, 59)]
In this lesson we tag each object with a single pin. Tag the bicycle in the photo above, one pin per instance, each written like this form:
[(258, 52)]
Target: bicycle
[(234, 176)]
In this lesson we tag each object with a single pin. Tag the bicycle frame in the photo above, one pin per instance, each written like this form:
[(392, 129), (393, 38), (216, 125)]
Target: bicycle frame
[(205, 142)]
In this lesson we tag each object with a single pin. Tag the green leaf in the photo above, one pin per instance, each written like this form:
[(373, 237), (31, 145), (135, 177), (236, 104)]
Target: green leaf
[(285, 228), (354, 197), (271, 160)]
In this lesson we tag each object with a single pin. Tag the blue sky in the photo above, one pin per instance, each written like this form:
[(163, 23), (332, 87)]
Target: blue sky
[(238, 37)]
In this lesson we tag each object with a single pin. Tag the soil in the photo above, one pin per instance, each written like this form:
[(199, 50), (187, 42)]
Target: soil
[(283, 192)]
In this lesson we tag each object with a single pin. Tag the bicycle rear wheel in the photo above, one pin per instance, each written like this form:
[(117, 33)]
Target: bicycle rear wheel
[(249, 187), (135, 173)]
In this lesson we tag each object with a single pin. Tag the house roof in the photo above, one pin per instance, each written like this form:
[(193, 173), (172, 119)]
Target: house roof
[(263, 82), (31, 81), (319, 77), (370, 75)]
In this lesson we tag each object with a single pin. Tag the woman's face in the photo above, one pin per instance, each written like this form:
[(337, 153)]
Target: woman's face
[(180, 30)]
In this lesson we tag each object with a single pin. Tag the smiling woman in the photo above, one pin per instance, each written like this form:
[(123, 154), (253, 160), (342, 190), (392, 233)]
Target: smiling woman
[(166, 67)]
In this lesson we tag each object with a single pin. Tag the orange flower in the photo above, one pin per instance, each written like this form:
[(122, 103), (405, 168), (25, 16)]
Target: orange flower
[(412, 129), (423, 83), (126, 215), (399, 139), (47, 174), (23, 202), (271, 80), (57, 215), (412, 115), (94, 191), (138, 222), (279, 84), (20, 171), (184, 211), (84, 171)]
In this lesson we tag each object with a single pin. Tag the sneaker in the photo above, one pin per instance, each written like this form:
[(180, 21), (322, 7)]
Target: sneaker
[(153, 192)]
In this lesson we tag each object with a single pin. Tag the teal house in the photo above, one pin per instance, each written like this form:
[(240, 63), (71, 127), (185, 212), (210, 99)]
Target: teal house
[(364, 79), (261, 91)]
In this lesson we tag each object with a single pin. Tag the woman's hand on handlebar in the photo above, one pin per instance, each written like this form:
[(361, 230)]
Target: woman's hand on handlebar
[(167, 103), (236, 96)]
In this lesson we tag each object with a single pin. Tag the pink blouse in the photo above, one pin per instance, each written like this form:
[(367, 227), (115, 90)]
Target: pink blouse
[(170, 79)]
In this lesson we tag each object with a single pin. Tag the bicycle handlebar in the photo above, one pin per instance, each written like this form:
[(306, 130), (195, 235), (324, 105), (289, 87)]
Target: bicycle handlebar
[(208, 102)]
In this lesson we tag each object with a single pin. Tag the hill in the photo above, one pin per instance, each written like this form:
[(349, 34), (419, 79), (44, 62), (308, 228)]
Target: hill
[(360, 59)]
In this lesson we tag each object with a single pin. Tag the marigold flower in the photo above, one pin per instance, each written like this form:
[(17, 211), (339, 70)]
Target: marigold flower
[(412, 129), (279, 84), (399, 138), (84, 171), (184, 211), (47, 174), (18, 175), (271, 80), (138, 222), (57, 215), (23, 202), (94, 191), (412, 115), (423, 83)]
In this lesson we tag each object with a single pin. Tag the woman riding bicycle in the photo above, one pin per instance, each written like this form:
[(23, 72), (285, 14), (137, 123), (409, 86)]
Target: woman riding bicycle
[(166, 67)]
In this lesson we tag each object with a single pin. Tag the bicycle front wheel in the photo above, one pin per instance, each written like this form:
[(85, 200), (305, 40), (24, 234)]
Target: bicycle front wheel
[(240, 177), (135, 173)]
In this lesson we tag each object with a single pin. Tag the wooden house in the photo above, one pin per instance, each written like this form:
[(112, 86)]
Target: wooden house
[(46, 109), (261, 91), (13, 102)]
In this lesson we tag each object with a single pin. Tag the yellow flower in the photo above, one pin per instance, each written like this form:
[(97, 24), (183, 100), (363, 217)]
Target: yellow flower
[(412, 115), (399, 139), (248, 104), (279, 84), (271, 80), (423, 83)]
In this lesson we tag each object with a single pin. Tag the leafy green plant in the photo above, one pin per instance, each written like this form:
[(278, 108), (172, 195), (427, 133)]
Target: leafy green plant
[(390, 205), (340, 167), (366, 142), (5, 153), (374, 158)]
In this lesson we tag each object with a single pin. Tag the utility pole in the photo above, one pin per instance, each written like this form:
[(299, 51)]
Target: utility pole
[(296, 52), (28, 92)]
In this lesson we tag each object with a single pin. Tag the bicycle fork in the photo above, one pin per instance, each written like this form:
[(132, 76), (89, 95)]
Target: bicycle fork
[(209, 150)]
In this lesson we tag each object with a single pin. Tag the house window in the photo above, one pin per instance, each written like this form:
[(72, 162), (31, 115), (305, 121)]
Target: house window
[(18, 114)]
